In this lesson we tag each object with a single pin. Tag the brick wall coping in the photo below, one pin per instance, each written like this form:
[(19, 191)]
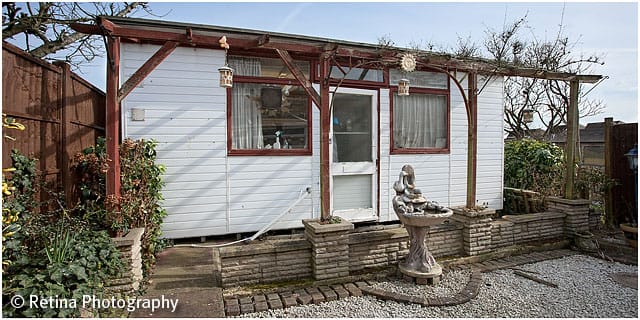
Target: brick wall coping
[(129, 239), (574, 202), (472, 212), (521, 218), (317, 228), (264, 247)]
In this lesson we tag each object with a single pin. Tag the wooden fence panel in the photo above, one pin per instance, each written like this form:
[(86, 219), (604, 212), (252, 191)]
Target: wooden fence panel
[(623, 137), (62, 113)]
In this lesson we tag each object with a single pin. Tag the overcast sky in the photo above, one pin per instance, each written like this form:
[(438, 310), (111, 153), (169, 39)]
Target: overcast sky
[(604, 28)]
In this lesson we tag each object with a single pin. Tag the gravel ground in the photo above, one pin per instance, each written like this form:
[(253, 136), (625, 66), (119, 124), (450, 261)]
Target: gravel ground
[(585, 289), (450, 284)]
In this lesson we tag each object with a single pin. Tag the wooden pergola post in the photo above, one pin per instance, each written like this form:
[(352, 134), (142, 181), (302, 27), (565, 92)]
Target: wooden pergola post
[(472, 139), (112, 117), (572, 137), (325, 125)]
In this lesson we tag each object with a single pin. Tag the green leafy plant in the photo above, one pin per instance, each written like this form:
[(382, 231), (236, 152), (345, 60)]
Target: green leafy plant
[(141, 195), (18, 199), (139, 204), (89, 168), (60, 247), (593, 184), (82, 266), (534, 165)]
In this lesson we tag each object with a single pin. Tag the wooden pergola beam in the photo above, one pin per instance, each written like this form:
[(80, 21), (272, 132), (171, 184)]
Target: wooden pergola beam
[(265, 41)]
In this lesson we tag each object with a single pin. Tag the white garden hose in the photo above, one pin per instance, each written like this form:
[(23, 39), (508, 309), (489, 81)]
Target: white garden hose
[(303, 194)]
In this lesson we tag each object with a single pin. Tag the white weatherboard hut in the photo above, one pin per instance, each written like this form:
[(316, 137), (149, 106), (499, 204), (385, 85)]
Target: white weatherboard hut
[(303, 114)]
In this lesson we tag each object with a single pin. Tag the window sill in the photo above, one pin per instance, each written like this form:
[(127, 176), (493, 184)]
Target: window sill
[(270, 152), (420, 151)]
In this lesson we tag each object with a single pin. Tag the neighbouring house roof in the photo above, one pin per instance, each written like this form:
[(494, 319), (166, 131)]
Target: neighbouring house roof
[(591, 133)]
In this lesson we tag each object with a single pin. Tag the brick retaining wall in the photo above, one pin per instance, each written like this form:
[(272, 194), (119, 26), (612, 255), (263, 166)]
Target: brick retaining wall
[(265, 262), (517, 229), (374, 249), (131, 256), (594, 219), (577, 219), (332, 251)]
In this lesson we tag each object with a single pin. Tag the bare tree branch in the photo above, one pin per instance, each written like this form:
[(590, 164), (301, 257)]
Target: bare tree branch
[(46, 26), (548, 99)]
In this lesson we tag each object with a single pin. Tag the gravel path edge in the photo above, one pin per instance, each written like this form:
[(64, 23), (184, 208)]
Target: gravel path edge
[(469, 292)]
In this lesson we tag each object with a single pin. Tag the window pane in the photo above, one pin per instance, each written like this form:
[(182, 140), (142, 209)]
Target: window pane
[(419, 121), (264, 67), (352, 128), (269, 116), (420, 79), (351, 192), (359, 74)]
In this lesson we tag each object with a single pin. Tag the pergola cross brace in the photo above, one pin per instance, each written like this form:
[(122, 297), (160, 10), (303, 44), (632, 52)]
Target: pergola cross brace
[(146, 69)]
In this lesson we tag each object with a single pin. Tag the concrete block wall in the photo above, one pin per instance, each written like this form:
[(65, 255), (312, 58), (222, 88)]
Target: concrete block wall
[(329, 248), (445, 240), (331, 251), (374, 249), (265, 262), (476, 231), (518, 229), (577, 214), (130, 247)]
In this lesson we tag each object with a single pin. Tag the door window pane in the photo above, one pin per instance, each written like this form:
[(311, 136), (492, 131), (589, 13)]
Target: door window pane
[(352, 128)]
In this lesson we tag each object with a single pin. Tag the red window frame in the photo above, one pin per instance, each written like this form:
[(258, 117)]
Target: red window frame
[(447, 148), (266, 152)]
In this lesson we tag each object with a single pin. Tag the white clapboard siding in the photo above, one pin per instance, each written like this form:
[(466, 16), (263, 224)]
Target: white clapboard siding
[(386, 177), (490, 162), (261, 188), (443, 177), (185, 112), (208, 192)]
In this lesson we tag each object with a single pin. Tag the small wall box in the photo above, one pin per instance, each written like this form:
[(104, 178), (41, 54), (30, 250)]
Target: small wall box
[(137, 114)]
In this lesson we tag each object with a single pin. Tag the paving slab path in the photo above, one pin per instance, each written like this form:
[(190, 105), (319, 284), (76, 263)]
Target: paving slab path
[(185, 274)]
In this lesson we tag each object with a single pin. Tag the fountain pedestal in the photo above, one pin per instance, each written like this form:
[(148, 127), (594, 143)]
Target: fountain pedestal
[(420, 265), (417, 214)]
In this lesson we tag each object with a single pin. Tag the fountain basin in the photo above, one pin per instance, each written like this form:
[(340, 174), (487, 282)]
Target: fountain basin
[(425, 219)]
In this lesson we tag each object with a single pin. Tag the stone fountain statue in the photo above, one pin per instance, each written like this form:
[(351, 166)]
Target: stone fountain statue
[(417, 214)]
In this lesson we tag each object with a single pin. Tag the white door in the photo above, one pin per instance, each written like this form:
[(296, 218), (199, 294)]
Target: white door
[(353, 154)]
